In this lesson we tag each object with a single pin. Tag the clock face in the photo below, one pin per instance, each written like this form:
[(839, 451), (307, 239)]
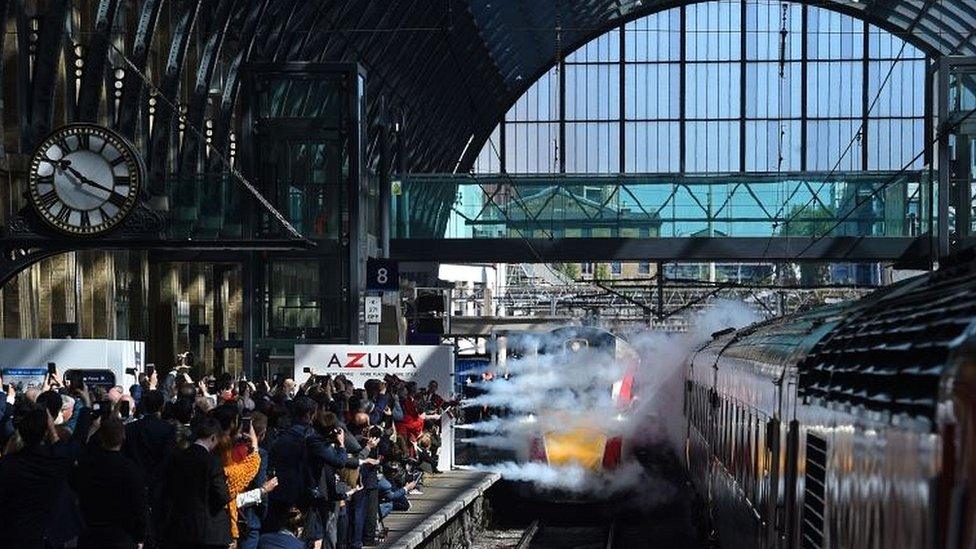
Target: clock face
[(84, 179)]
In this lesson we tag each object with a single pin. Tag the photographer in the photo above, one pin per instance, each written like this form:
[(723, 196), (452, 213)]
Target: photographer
[(238, 455), (305, 459), (364, 505)]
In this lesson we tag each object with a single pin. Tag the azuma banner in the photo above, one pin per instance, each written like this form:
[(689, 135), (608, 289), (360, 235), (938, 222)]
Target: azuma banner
[(358, 363), (420, 363)]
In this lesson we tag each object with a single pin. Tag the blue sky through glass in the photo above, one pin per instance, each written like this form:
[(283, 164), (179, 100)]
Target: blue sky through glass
[(723, 131)]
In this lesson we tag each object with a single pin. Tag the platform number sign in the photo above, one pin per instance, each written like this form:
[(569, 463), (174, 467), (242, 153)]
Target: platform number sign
[(382, 274), (374, 309)]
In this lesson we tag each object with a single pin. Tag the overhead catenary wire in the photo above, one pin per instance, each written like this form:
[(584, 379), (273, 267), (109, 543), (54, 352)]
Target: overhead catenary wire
[(858, 135), (895, 178)]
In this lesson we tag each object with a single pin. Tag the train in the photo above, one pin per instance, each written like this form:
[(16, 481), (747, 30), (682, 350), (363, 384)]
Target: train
[(562, 441), (852, 425)]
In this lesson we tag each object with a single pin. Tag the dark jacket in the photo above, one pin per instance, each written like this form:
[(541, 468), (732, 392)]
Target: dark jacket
[(376, 415), (370, 473), (112, 496), (280, 540), (149, 443), (33, 488), (6, 420), (195, 498), (298, 456)]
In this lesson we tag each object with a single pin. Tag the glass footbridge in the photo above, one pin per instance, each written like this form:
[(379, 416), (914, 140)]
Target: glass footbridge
[(869, 216)]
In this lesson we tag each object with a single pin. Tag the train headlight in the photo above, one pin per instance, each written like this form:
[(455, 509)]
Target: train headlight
[(619, 417), (529, 419)]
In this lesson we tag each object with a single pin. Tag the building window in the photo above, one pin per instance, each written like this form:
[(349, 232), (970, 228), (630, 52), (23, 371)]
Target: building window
[(586, 268), (644, 268), (615, 268)]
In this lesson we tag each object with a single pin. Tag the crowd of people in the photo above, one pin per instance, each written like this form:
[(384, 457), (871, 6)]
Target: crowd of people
[(222, 462)]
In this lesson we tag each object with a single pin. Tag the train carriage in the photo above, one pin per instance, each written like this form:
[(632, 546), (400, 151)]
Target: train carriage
[(848, 426)]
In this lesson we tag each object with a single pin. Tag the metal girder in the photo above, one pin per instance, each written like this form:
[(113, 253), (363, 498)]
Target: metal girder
[(96, 57), (169, 85), (133, 87), (4, 13), (14, 261), (672, 249), (673, 306), (45, 75), (190, 152), (223, 121)]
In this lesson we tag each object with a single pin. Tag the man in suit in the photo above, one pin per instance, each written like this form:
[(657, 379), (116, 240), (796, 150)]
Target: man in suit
[(149, 443), (111, 492), (195, 494)]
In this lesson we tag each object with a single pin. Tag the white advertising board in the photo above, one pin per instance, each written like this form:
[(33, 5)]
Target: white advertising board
[(23, 362), (419, 363)]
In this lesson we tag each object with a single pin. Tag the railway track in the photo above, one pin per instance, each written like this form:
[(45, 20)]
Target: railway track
[(542, 535)]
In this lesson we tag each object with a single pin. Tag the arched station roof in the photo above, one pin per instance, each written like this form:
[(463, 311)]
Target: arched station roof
[(456, 65)]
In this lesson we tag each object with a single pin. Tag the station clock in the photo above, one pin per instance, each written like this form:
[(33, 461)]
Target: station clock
[(84, 180)]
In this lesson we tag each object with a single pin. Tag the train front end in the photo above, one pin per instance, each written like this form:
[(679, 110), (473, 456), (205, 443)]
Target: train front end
[(577, 438)]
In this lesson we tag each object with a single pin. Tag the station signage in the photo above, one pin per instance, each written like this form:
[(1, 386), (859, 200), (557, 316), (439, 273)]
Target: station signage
[(382, 274), (374, 309)]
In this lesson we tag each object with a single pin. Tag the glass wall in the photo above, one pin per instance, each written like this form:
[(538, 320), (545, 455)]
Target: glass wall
[(726, 86)]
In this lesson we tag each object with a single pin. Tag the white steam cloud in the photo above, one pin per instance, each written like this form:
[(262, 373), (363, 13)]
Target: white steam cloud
[(553, 393)]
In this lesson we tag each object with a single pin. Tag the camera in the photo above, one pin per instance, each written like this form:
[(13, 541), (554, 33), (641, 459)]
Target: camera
[(375, 431), (102, 408), (332, 435)]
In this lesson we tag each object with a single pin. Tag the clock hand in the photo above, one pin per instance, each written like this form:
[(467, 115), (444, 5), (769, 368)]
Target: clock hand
[(84, 180)]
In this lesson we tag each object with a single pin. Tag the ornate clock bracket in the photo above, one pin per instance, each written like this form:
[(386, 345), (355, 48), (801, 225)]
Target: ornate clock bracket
[(142, 223), (26, 240), (15, 259)]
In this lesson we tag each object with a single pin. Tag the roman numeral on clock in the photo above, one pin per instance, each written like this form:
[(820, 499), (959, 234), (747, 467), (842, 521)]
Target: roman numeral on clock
[(85, 220), (117, 199), (63, 145), (118, 160), (83, 141), (64, 214), (48, 199)]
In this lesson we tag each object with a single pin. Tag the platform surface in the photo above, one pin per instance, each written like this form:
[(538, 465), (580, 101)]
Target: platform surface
[(445, 495)]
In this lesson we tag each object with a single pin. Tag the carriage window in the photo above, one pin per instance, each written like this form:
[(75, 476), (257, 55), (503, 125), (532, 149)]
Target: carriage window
[(814, 490), (729, 431)]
